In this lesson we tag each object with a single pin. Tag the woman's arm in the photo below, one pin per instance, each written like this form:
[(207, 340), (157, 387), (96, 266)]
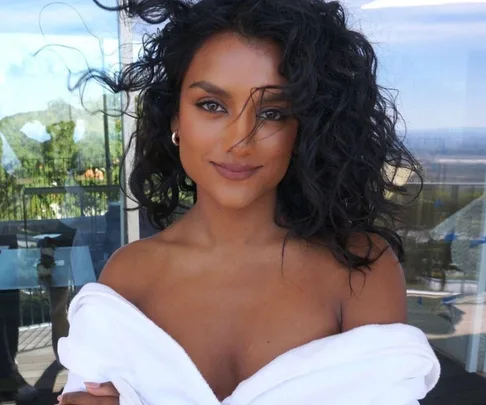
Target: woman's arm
[(117, 274)]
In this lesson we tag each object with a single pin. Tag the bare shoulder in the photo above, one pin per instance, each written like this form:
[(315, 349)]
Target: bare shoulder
[(130, 269), (374, 295)]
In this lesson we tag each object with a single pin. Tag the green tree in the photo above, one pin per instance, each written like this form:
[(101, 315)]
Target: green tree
[(60, 152), (10, 194)]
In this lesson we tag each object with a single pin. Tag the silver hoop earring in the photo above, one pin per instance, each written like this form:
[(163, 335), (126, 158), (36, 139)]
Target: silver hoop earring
[(175, 138)]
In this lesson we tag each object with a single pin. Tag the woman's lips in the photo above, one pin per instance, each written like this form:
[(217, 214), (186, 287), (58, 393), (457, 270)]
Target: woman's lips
[(232, 171)]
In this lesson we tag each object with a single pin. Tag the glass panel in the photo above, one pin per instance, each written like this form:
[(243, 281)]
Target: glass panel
[(60, 211), (140, 29), (435, 55)]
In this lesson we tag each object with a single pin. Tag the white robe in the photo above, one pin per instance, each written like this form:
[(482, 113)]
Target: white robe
[(111, 340)]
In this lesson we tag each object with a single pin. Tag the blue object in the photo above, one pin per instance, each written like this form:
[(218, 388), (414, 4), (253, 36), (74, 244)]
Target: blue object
[(450, 237), (476, 242)]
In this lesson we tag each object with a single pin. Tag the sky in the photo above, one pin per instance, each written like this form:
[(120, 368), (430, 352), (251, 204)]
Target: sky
[(435, 56)]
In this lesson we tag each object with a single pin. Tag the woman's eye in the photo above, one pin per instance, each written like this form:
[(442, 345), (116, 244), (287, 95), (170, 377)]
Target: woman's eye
[(271, 115), (211, 106)]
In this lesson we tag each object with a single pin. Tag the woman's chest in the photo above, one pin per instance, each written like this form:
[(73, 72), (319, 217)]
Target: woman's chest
[(232, 328)]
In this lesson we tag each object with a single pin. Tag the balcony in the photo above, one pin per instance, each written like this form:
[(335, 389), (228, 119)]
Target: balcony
[(81, 214)]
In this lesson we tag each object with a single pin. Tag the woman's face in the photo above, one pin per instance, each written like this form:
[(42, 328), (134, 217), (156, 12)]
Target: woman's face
[(218, 113)]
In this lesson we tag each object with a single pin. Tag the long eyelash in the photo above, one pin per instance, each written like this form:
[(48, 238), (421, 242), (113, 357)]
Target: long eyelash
[(200, 104), (284, 114)]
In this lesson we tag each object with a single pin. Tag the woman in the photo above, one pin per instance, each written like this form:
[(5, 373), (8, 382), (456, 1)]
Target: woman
[(267, 111)]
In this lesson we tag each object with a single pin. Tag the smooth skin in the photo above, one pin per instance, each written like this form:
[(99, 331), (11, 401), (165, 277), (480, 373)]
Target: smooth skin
[(214, 279)]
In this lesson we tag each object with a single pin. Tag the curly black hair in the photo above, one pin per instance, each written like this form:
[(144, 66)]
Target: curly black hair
[(347, 149)]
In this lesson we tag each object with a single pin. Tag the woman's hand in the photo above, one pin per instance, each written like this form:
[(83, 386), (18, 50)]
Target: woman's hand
[(97, 394)]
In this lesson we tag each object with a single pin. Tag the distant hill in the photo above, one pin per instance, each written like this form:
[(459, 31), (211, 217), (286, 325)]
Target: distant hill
[(90, 145), (456, 142), (450, 155)]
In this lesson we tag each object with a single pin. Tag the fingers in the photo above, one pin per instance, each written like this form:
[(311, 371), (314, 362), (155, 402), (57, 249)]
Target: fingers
[(75, 398), (87, 398), (102, 390)]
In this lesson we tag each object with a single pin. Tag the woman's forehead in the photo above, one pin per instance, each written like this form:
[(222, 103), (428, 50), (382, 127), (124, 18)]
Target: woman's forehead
[(230, 61)]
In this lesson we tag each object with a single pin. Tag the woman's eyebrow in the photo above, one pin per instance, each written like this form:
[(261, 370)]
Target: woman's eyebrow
[(274, 96), (269, 96), (210, 88)]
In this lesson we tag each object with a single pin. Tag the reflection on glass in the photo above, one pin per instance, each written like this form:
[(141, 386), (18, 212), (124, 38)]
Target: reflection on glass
[(59, 181), (434, 53), (59, 163)]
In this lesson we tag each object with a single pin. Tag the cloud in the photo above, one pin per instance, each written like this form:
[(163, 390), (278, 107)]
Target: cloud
[(29, 80), (410, 32), (423, 25), (414, 3), (36, 131), (68, 17), (79, 131)]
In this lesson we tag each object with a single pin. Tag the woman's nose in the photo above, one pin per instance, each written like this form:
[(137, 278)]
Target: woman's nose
[(239, 135)]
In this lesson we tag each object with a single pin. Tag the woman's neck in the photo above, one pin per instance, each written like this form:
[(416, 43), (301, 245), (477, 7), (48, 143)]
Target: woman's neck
[(217, 226)]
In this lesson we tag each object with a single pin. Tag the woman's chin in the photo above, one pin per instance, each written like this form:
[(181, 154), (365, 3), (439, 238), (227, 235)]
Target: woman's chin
[(234, 203), (233, 200)]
